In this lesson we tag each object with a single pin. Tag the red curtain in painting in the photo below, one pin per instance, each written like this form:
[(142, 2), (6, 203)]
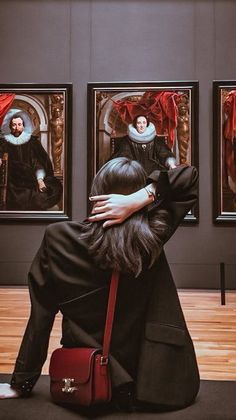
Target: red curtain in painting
[(159, 107), (230, 133), (6, 100)]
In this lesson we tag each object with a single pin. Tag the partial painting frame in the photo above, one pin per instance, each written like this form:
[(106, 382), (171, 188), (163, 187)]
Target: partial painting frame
[(224, 152), (171, 106), (35, 152)]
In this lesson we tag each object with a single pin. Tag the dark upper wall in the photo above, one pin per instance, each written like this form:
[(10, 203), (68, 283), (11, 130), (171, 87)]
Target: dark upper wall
[(57, 41)]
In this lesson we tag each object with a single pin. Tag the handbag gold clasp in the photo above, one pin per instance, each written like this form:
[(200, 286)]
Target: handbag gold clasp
[(67, 385), (104, 360)]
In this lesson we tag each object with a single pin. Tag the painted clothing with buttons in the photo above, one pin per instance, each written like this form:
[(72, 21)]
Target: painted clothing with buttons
[(27, 162), (152, 155)]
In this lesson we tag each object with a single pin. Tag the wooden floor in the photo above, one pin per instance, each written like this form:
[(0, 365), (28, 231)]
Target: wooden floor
[(212, 327)]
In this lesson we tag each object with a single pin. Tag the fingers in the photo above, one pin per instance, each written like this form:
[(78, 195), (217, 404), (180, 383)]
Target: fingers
[(41, 185), (110, 219), (100, 216), (100, 204), (98, 209), (99, 197), (111, 222), (101, 207)]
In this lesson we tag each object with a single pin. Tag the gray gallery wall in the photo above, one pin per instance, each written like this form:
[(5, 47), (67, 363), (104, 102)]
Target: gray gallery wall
[(56, 41)]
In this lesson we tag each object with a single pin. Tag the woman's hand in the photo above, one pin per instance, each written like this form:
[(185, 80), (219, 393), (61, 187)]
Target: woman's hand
[(7, 392), (115, 208)]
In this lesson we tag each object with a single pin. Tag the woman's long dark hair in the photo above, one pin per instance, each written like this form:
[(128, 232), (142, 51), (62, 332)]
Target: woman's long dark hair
[(136, 243)]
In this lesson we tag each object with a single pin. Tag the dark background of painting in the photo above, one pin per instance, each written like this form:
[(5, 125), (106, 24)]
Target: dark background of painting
[(223, 200), (58, 41)]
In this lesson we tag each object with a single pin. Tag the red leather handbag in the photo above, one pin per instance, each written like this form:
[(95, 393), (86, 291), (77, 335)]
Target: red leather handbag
[(81, 376)]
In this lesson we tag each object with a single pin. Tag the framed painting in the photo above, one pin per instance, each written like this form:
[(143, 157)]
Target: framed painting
[(224, 152), (170, 110), (35, 151)]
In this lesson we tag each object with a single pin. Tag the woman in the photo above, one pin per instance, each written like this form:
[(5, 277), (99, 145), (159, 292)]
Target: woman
[(142, 144), (151, 347)]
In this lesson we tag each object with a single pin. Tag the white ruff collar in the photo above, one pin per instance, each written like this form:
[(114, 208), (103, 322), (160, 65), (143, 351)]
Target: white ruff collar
[(17, 141), (145, 137)]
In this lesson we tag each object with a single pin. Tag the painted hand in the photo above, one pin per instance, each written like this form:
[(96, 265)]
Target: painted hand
[(42, 186)]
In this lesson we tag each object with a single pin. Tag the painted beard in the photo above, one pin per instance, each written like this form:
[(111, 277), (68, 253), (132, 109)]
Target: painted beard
[(16, 133)]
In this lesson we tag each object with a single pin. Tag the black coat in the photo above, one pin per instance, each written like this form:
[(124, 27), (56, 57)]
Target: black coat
[(150, 342)]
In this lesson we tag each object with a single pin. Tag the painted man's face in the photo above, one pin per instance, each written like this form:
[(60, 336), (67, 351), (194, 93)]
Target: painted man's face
[(141, 124), (17, 126)]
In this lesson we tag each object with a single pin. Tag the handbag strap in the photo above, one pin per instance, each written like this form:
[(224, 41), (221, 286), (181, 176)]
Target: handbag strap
[(110, 316)]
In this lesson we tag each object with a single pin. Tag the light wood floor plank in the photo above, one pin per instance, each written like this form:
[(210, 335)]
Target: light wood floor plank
[(212, 327)]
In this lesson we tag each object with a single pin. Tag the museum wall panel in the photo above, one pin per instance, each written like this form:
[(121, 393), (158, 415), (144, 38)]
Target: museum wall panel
[(59, 41)]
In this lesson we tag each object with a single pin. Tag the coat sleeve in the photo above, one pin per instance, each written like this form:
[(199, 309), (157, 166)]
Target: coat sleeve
[(34, 346), (177, 192)]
